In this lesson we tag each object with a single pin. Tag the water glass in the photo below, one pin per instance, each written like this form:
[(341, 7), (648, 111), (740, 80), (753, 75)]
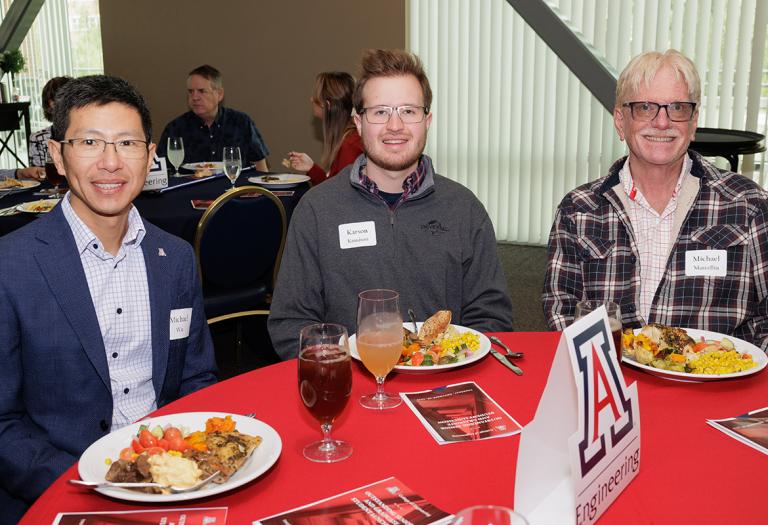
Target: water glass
[(233, 164), (614, 318), (175, 152), (488, 515)]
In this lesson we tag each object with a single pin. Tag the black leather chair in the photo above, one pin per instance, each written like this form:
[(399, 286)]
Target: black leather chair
[(238, 245)]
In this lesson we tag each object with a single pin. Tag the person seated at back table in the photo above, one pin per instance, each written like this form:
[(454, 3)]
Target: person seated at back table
[(636, 236), (331, 103), (389, 221), (38, 141), (101, 314), (208, 126)]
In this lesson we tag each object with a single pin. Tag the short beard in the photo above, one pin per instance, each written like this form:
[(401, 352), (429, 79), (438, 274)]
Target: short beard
[(394, 164)]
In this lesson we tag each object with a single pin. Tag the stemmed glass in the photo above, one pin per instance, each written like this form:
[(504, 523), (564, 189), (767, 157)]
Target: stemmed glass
[(614, 318), (488, 515), (52, 175), (325, 383), (232, 163), (379, 341), (176, 152)]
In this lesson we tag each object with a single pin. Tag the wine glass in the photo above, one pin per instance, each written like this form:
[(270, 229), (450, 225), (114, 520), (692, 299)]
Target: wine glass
[(325, 383), (379, 341), (53, 176), (488, 515), (232, 163), (614, 318), (176, 152)]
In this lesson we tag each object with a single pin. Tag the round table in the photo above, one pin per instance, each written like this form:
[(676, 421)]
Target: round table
[(171, 211), (689, 471)]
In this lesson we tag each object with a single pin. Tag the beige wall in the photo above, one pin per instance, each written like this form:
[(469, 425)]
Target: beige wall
[(268, 51)]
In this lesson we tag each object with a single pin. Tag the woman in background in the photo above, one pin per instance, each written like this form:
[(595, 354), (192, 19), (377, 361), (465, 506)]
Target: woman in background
[(38, 142), (332, 103)]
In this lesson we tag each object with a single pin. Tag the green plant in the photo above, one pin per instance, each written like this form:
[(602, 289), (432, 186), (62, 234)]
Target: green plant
[(12, 62)]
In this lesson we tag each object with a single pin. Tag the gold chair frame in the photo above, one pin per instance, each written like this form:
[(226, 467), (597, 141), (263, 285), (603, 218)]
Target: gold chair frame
[(212, 209)]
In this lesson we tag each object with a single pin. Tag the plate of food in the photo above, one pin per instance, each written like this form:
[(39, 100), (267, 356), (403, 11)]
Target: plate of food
[(179, 450), (41, 206), (687, 354), (203, 169), (279, 181), (17, 185), (436, 346)]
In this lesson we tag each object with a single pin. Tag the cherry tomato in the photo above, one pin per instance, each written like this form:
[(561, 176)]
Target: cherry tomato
[(154, 450), (126, 454), (172, 433), (178, 444), (163, 443), (137, 446), (147, 439)]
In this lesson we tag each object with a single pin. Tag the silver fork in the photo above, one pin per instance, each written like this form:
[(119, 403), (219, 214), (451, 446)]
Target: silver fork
[(172, 489), (510, 354)]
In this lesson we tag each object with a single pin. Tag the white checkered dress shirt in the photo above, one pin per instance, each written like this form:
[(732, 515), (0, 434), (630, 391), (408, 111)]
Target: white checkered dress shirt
[(653, 234), (120, 295)]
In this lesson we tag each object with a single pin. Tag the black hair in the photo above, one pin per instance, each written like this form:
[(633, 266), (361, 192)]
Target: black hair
[(98, 90)]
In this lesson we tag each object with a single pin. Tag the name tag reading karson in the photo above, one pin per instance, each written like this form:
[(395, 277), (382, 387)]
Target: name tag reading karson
[(711, 263), (357, 234)]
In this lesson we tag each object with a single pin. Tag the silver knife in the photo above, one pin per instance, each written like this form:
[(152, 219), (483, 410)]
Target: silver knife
[(506, 363)]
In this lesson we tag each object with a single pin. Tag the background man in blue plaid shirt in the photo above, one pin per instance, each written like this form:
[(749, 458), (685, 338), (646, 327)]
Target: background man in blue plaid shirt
[(666, 235)]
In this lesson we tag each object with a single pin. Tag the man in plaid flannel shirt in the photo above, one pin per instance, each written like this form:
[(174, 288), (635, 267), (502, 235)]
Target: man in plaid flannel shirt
[(666, 235)]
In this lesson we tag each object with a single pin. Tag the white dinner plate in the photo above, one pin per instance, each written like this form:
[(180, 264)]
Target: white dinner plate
[(284, 180), (92, 466), (215, 167), (758, 356), (25, 185), (32, 206), (485, 347)]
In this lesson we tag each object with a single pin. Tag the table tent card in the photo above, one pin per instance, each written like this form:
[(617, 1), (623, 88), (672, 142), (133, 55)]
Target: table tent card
[(750, 428), (158, 175), (201, 516), (385, 502), (583, 446), (460, 412)]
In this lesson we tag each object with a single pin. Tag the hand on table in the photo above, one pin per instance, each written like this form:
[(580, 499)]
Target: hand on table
[(33, 172), (300, 161)]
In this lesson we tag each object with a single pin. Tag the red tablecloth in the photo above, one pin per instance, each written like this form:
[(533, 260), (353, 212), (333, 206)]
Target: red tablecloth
[(690, 472)]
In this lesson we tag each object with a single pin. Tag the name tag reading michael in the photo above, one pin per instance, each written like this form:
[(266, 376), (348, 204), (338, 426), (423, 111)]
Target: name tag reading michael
[(357, 234), (180, 321), (710, 263)]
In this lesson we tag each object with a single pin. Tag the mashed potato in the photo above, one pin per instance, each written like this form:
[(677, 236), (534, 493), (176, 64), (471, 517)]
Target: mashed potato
[(717, 363), (169, 469)]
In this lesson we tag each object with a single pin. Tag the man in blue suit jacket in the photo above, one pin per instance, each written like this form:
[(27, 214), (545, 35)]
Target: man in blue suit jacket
[(62, 370)]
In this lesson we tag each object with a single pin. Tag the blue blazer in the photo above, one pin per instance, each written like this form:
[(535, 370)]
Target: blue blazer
[(55, 397)]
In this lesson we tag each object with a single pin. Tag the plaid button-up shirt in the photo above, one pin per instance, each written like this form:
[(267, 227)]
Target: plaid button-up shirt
[(593, 255)]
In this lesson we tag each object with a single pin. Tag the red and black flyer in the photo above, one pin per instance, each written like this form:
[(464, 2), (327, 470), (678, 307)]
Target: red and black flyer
[(386, 502), (460, 412), (202, 516), (750, 428)]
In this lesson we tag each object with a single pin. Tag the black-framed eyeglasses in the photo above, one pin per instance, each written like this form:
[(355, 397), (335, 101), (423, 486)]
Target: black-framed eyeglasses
[(90, 148), (382, 114), (647, 111)]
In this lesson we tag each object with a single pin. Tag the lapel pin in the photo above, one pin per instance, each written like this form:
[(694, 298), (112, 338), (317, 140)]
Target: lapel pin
[(161, 252)]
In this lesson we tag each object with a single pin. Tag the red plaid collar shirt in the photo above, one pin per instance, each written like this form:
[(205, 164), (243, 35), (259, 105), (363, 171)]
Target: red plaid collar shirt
[(592, 254)]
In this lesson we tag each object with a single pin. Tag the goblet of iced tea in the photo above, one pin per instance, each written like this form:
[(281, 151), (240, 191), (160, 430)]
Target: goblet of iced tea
[(614, 319), (325, 383), (53, 176)]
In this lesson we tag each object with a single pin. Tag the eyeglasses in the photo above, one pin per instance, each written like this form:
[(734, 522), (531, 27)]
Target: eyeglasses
[(382, 114), (647, 111), (90, 148)]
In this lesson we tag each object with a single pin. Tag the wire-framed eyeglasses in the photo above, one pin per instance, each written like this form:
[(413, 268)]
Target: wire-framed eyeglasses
[(647, 111), (382, 114), (88, 148)]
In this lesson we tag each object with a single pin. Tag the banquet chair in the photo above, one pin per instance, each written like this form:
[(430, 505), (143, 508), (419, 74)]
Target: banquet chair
[(238, 247)]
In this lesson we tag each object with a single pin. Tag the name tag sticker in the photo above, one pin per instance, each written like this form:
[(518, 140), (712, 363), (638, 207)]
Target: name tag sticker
[(181, 318), (357, 234), (710, 263)]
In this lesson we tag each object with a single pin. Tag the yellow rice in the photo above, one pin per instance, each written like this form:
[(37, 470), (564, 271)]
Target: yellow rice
[(717, 363)]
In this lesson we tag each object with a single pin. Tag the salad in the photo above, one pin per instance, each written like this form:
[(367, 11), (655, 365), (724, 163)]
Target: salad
[(437, 343), (673, 349)]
